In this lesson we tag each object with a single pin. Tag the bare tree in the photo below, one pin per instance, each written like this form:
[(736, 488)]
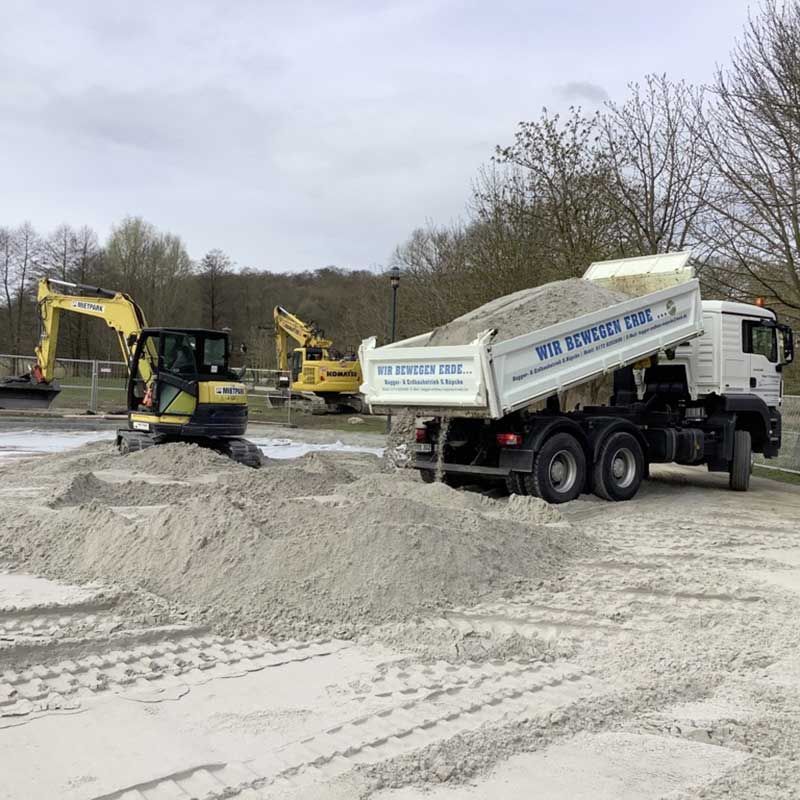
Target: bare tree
[(752, 133), (26, 250), (657, 166), (213, 270), (562, 171)]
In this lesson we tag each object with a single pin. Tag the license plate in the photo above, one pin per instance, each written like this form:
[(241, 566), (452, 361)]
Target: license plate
[(423, 448)]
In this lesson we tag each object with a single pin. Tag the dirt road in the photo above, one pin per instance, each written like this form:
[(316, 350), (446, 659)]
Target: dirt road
[(663, 662)]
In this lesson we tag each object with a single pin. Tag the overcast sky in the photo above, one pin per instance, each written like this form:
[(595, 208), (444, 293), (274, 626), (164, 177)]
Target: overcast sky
[(299, 134)]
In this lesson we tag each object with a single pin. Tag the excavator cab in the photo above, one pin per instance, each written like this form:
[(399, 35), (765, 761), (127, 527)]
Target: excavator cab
[(181, 388)]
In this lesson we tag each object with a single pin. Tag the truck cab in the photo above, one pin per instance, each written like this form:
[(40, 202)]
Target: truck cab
[(742, 352)]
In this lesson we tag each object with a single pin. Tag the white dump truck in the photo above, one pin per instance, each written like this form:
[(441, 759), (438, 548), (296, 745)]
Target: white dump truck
[(694, 382)]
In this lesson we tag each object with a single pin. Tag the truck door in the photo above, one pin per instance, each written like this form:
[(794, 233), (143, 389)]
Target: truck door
[(760, 345)]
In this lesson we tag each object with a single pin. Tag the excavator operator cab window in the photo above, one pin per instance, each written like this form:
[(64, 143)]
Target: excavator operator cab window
[(313, 354), (178, 353), (215, 355), (297, 364)]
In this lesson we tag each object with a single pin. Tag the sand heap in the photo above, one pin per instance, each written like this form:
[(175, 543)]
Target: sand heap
[(532, 309), (527, 310), (295, 550)]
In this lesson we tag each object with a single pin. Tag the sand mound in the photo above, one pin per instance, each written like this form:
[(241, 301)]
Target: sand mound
[(259, 552), (85, 488), (528, 310), (179, 460)]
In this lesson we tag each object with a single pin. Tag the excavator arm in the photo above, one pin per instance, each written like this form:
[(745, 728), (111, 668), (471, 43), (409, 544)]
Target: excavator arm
[(118, 310), (288, 326)]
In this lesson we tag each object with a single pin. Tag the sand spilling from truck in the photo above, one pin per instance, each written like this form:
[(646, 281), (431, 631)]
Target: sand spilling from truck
[(309, 547)]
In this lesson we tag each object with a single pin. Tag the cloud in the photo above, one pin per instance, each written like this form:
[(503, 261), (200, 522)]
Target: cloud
[(580, 91)]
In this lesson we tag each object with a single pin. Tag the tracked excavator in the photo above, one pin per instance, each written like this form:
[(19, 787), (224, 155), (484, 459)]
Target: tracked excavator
[(329, 379), (180, 383)]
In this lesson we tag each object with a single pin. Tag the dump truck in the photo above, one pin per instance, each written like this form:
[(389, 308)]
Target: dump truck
[(694, 382)]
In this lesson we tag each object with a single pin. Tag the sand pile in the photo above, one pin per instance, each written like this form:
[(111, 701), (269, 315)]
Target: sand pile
[(85, 488), (180, 461), (528, 310), (252, 554)]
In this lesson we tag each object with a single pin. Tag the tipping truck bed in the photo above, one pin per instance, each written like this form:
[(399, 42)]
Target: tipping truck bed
[(490, 380)]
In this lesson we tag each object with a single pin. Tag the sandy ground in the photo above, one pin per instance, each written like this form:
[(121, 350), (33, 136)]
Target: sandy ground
[(665, 665)]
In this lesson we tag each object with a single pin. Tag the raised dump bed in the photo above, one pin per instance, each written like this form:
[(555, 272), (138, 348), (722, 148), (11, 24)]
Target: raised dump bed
[(486, 379)]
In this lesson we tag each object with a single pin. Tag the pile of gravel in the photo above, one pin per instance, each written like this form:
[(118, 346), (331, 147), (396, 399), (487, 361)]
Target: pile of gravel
[(297, 550)]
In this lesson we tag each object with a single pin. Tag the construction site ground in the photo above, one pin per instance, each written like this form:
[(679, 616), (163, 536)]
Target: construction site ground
[(656, 658)]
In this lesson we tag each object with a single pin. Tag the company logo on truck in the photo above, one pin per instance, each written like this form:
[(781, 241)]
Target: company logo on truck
[(229, 391), (594, 335), (85, 305), (425, 376)]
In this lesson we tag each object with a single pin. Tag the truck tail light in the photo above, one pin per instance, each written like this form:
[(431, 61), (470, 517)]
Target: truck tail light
[(509, 439), (421, 434)]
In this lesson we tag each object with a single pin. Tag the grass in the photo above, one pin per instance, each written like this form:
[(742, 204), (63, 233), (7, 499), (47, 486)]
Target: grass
[(776, 475), (337, 422)]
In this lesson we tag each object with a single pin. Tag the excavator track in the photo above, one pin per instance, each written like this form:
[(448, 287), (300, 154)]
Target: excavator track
[(241, 451), (132, 441)]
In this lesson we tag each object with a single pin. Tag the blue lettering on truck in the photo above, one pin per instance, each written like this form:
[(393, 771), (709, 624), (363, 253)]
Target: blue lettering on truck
[(596, 334), (415, 370)]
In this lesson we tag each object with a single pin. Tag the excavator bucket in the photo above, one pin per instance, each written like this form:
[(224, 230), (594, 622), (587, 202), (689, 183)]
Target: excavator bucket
[(23, 394)]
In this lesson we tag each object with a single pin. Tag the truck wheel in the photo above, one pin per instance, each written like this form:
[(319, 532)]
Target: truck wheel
[(619, 468), (559, 470), (741, 464)]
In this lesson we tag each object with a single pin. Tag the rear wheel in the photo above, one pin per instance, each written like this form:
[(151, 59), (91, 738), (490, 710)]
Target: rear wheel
[(559, 470), (620, 467), (741, 464)]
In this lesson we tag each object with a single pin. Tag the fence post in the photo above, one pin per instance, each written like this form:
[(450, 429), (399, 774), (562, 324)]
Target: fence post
[(289, 402), (93, 393)]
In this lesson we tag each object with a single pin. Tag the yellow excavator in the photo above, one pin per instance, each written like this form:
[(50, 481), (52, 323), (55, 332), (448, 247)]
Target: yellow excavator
[(180, 384), (330, 379)]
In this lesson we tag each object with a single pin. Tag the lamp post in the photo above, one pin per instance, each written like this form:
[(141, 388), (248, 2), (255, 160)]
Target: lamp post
[(394, 280)]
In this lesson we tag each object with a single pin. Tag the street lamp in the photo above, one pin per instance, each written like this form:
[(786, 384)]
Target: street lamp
[(394, 280)]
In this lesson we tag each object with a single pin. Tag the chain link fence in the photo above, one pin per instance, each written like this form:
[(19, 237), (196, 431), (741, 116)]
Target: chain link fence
[(99, 387), (789, 458)]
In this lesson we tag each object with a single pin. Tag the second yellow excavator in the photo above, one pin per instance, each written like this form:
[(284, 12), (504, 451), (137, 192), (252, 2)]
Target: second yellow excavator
[(329, 378)]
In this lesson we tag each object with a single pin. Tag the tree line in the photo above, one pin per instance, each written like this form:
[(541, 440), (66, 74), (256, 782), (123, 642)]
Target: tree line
[(671, 166)]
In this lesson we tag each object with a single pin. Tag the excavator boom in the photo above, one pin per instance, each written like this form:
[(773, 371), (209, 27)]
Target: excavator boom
[(55, 298)]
